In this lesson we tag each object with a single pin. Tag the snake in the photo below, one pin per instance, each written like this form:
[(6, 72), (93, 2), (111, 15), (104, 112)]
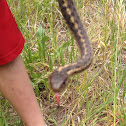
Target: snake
[(60, 77)]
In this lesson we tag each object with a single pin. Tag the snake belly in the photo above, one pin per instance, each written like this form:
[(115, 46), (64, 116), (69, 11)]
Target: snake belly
[(59, 79)]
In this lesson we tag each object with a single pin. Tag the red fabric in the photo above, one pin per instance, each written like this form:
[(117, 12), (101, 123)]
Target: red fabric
[(11, 39)]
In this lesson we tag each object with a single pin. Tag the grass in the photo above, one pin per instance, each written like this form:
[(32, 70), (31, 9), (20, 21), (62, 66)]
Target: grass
[(96, 97)]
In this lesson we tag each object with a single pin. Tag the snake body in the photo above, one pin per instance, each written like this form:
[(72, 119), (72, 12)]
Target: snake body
[(59, 79)]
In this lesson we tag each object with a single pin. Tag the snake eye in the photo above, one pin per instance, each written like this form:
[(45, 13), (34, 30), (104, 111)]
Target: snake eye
[(64, 82)]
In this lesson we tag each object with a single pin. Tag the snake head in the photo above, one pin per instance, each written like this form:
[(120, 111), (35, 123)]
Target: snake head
[(58, 81)]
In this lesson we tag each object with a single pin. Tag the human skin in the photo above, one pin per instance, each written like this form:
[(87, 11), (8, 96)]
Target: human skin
[(15, 86)]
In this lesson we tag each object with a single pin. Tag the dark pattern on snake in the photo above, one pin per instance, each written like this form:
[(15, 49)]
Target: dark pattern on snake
[(59, 79)]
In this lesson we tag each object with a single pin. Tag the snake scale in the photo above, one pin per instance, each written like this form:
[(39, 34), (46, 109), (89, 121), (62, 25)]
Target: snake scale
[(59, 79)]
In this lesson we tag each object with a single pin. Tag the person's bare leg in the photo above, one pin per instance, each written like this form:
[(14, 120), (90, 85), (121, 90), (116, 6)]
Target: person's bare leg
[(15, 86)]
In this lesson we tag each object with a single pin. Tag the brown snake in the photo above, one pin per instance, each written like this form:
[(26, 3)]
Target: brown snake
[(59, 79)]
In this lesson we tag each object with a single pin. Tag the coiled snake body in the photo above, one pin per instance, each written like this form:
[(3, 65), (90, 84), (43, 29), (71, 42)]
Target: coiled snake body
[(59, 79)]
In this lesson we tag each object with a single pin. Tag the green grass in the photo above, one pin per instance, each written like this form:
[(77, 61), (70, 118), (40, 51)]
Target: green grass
[(95, 97)]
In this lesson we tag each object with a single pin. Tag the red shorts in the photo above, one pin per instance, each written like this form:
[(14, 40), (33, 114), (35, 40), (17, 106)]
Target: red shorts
[(11, 39)]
